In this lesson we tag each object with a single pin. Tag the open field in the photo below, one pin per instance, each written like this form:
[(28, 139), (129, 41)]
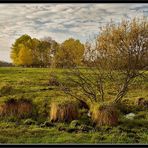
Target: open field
[(33, 84), (74, 75)]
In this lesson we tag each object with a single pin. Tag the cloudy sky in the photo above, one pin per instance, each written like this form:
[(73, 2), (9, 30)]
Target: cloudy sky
[(59, 21)]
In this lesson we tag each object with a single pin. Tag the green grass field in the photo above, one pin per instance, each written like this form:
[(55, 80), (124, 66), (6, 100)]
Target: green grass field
[(32, 83)]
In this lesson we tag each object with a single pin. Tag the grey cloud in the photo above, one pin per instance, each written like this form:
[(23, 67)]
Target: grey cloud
[(140, 7), (60, 20)]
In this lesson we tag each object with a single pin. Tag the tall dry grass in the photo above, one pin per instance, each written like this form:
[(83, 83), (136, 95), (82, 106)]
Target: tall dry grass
[(64, 112), (17, 108), (104, 115)]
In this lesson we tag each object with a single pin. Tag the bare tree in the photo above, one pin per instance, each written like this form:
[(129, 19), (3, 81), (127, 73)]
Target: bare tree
[(117, 56)]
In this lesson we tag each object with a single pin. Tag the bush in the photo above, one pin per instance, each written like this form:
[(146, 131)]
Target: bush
[(5, 88), (29, 122)]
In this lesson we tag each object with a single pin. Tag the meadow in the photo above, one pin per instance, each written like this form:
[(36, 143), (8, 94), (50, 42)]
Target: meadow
[(33, 84)]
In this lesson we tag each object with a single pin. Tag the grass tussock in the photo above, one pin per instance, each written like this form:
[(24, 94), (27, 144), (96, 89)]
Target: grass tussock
[(104, 115), (64, 111), (25, 108), (19, 108)]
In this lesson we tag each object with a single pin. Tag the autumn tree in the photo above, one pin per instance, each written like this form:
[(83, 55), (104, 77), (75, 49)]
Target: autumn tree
[(33, 45), (15, 48), (69, 54), (44, 53), (121, 51), (40, 51), (25, 56), (124, 47)]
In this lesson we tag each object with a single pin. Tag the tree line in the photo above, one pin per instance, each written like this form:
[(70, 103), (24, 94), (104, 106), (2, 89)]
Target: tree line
[(115, 43), (5, 64), (32, 52)]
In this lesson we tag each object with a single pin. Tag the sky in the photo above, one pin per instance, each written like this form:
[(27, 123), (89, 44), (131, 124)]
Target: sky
[(59, 21)]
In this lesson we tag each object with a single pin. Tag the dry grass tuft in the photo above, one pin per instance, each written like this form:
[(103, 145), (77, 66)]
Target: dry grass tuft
[(104, 115), (64, 111), (18, 108), (25, 108)]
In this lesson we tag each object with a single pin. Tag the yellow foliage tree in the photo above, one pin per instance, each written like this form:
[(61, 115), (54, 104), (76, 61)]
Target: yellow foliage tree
[(25, 56), (15, 48), (70, 53)]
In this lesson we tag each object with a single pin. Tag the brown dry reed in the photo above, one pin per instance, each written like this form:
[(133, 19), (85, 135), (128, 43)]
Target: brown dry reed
[(19, 108), (64, 111), (104, 115)]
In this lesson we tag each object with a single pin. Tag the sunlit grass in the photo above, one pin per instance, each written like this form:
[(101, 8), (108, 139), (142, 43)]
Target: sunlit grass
[(32, 83)]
